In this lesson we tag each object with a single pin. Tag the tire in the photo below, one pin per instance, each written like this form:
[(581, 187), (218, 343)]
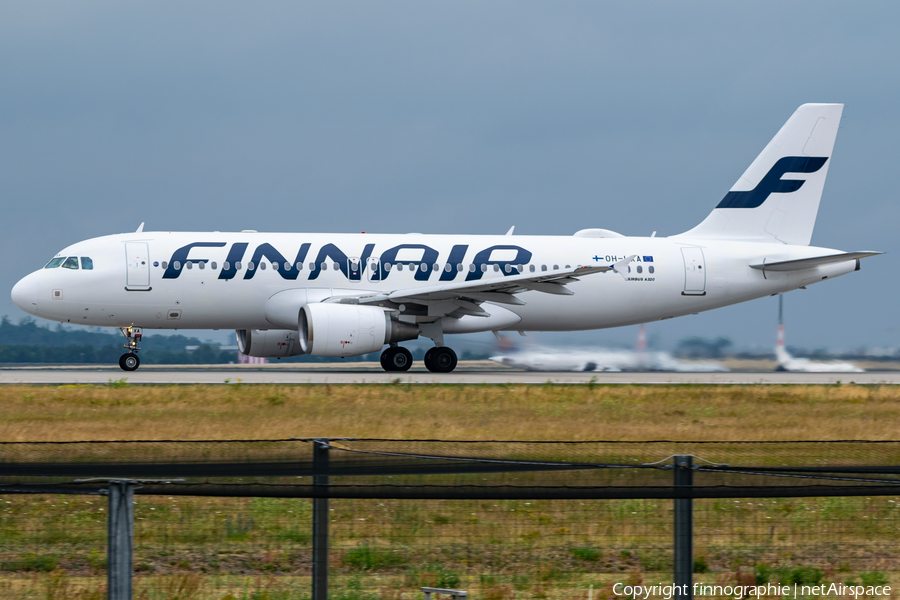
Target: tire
[(429, 357), (129, 362), (396, 359), (443, 360)]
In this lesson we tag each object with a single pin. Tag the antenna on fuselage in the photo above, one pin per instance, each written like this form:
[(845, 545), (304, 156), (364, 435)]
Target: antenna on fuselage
[(140, 228)]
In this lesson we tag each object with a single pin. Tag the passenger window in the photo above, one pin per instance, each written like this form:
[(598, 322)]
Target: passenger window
[(287, 266), (86, 263), (165, 265), (213, 266), (387, 266), (459, 267), (520, 268), (448, 268), (189, 265), (651, 269), (337, 267), (471, 267), (250, 265), (399, 266), (543, 267), (423, 267), (484, 268), (237, 265), (202, 265), (71, 263), (55, 263), (531, 268), (262, 266), (177, 265), (555, 267), (640, 269), (226, 266), (312, 266), (436, 267), (299, 266)]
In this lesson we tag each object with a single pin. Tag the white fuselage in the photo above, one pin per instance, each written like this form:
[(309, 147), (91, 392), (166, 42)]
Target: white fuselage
[(134, 281)]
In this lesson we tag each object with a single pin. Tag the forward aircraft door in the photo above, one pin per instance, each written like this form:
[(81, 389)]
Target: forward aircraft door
[(694, 272), (137, 261)]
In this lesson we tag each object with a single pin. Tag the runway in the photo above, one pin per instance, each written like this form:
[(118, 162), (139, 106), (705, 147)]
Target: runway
[(476, 372)]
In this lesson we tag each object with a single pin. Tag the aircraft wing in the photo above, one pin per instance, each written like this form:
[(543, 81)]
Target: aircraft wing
[(496, 289), (808, 263)]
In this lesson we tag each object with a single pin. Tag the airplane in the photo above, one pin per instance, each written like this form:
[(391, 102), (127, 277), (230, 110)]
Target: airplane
[(787, 362), (600, 359), (287, 294)]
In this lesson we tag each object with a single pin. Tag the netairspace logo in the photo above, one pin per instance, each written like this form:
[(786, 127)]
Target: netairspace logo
[(667, 592)]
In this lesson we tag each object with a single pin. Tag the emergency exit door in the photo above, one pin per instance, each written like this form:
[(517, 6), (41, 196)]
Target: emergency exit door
[(137, 261), (694, 272)]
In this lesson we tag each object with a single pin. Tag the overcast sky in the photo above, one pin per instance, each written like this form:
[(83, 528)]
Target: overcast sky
[(452, 117)]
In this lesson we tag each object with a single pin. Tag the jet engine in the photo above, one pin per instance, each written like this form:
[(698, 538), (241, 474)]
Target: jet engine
[(268, 343), (329, 329)]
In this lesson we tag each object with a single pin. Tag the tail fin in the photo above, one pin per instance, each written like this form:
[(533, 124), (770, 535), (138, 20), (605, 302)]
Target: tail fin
[(777, 198)]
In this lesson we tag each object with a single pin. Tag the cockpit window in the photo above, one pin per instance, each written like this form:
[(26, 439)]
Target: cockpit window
[(71, 263), (55, 262), (86, 263)]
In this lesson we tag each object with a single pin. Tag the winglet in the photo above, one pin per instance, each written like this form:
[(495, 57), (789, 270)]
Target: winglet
[(621, 266), (140, 228)]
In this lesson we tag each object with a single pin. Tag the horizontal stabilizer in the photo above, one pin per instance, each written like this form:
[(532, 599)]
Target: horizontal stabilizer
[(809, 263)]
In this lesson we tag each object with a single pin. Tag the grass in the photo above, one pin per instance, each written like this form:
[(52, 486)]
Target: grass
[(525, 412), (259, 548)]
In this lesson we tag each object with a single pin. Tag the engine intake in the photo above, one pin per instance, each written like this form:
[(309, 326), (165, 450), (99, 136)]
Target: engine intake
[(268, 343), (349, 329)]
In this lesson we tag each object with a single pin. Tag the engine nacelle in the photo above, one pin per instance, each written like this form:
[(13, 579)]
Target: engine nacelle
[(268, 343), (330, 329)]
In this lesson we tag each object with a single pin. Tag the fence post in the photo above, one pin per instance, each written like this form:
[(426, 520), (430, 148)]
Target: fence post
[(684, 529), (120, 540), (320, 520)]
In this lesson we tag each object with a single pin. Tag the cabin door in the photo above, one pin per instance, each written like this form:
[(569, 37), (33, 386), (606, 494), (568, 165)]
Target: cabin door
[(694, 272), (137, 264)]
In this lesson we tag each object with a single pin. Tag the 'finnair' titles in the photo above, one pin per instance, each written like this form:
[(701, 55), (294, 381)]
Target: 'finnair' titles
[(350, 294)]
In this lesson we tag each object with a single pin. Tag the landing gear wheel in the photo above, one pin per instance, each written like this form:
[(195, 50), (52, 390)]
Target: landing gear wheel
[(129, 362), (441, 360), (396, 359), (429, 356)]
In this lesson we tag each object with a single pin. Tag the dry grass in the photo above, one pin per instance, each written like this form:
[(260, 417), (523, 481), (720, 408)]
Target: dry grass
[(523, 412)]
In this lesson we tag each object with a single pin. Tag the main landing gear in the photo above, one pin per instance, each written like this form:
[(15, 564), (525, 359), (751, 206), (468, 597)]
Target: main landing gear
[(396, 358), (130, 361), (439, 359)]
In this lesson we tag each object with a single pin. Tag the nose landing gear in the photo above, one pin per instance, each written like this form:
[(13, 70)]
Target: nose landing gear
[(130, 361)]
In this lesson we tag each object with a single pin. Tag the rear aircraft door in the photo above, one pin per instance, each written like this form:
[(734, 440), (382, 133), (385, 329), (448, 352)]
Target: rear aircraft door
[(137, 260), (694, 272)]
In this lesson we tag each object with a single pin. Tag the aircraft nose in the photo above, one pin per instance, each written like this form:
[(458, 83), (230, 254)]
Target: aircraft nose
[(25, 294)]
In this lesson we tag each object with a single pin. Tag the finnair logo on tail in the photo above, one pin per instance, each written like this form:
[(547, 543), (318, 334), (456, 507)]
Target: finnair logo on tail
[(772, 183)]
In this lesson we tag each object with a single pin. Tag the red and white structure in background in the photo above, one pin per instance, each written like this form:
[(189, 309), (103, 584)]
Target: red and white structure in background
[(243, 359), (781, 320)]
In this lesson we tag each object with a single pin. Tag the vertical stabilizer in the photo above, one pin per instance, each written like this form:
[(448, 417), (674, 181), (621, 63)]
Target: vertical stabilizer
[(777, 198)]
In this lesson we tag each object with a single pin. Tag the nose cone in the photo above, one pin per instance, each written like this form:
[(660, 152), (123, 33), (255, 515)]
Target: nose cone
[(25, 294)]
